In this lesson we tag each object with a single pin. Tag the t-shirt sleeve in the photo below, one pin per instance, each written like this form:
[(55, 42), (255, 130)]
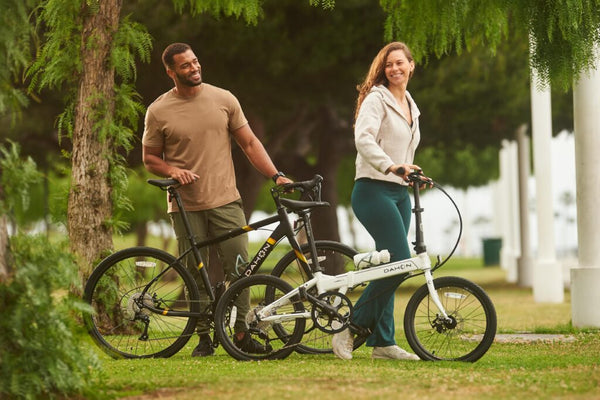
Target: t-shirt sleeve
[(152, 136), (237, 119)]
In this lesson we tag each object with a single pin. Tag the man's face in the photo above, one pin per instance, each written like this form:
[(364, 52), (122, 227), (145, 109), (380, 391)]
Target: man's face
[(186, 69)]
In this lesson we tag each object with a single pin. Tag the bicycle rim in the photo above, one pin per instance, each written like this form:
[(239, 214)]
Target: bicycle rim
[(467, 337), (121, 323), (232, 315)]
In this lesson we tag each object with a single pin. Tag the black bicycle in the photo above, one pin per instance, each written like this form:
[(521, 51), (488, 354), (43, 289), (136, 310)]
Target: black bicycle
[(146, 302)]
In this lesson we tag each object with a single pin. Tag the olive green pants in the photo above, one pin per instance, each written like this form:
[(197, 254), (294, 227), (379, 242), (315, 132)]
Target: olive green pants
[(208, 224)]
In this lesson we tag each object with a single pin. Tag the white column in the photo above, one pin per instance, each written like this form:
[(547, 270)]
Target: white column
[(501, 199), (524, 262), (548, 286), (585, 278), (510, 238)]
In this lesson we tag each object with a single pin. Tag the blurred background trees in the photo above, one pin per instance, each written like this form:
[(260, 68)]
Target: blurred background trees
[(294, 68)]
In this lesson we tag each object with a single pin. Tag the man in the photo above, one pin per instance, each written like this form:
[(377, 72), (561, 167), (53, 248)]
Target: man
[(187, 137)]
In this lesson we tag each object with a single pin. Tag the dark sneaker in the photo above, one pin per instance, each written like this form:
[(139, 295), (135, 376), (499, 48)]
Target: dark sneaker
[(250, 345), (204, 348)]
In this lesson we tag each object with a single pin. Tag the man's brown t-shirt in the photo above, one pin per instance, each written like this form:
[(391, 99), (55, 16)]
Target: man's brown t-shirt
[(195, 134)]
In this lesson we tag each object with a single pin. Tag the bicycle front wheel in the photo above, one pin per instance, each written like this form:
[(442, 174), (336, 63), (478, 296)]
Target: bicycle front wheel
[(121, 291), (468, 334), (334, 258), (262, 339)]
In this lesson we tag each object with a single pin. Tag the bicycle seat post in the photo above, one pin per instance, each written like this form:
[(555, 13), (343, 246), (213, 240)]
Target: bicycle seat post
[(173, 194)]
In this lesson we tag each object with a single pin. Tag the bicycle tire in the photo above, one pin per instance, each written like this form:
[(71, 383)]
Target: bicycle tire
[(471, 334), (335, 258), (265, 333), (117, 322)]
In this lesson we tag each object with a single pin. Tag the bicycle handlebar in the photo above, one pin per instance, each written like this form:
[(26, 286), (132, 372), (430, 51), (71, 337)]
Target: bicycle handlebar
[(415, 176), (307, 188), (305, 185)]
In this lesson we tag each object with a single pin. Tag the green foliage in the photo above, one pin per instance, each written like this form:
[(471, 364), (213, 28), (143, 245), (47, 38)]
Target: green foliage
[(148, 203), (566, 36), (41, 356), (441, 26), (326, 4), (15, 32), (477, 98), (250, 10), (565, 33), (461, 168), (58, 60), (16, 177), (115, 119)]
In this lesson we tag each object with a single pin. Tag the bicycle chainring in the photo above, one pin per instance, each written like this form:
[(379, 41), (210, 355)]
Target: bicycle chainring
[(332, 312)]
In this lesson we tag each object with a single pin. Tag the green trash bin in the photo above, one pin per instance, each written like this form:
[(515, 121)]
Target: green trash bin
[(491, 251)]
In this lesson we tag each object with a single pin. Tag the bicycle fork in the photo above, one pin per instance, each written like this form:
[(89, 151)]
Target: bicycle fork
[(434, 294), (442, 321)]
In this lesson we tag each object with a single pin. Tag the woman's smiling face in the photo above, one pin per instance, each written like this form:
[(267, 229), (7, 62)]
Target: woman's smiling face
[(398, 68)]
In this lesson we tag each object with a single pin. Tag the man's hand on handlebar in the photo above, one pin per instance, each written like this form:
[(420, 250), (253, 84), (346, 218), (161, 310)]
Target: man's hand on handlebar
[(282, 180)]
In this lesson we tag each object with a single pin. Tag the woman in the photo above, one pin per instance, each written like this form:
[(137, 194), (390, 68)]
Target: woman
[(386, 135)]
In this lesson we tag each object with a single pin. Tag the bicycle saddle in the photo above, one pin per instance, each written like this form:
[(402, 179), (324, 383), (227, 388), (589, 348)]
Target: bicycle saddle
[(298, 205)]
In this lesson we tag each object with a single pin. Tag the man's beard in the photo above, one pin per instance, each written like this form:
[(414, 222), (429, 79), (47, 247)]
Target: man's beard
[(187, 82)]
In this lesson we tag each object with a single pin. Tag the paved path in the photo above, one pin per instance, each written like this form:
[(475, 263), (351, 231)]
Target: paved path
[(532, 337)]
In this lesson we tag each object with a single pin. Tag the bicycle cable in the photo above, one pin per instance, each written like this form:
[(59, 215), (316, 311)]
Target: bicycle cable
[(460, 227)]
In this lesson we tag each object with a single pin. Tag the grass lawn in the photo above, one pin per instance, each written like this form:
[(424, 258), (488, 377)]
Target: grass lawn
[(568, 369)]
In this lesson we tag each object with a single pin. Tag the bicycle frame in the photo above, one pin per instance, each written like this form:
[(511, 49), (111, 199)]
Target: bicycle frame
[(341, 283), (284, 229)]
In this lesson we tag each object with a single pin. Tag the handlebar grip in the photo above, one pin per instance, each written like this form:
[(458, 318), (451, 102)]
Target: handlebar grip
[(304, 184)]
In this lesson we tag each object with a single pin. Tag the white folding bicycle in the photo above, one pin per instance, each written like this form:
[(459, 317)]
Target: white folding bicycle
[(448, 318)]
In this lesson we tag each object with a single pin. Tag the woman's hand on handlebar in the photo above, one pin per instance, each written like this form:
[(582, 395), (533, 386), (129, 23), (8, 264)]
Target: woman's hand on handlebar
[(403, 170), (406, 170)]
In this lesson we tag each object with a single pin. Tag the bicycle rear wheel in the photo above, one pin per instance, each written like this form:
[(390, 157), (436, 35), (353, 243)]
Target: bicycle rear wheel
[(277, 339), (334, 258), (468, 335), (121, 323)]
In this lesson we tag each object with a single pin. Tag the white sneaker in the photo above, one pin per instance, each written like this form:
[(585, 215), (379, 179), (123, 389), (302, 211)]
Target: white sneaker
[(393, 353), (343, 344)]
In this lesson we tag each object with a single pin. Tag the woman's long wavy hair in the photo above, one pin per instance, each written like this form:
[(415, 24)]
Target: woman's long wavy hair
[(376, 74)]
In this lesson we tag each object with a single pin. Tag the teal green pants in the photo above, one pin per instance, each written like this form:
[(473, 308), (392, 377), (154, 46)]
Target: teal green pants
[(384, 209)]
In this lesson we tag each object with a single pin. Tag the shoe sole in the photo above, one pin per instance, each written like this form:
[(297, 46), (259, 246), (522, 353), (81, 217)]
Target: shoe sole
[(393, 358)]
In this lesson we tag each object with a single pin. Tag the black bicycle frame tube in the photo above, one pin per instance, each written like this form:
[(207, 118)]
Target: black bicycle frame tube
[(310, 237), (194, 246), (265, 249), (417, 210)]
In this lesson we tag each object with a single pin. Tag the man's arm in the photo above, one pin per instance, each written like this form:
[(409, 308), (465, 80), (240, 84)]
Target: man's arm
[(256, 153), (154, 163)]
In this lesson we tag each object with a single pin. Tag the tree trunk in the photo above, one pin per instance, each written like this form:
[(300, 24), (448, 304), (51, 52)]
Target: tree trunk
[(90, 204), (141, 232), (5, 265)]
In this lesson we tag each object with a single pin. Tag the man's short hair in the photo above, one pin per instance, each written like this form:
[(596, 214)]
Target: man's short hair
[(172, 50)]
